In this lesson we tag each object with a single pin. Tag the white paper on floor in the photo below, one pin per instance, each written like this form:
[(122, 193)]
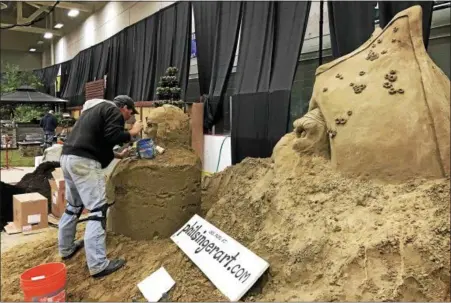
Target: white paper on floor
[(156, 285)]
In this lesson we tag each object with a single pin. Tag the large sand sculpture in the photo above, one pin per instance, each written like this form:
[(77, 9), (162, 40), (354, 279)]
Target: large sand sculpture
[(155, 197), (326, 236), (385, 107)]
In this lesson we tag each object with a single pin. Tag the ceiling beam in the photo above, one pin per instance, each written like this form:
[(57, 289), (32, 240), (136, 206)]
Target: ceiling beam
[(31, 29), (19, 12), (33, 16), (45, 9), (66, 5)]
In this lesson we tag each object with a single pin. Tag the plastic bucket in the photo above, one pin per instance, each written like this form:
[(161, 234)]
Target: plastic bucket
[(44, 283)]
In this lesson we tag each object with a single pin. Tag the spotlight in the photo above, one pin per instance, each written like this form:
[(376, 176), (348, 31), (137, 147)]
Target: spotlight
[(58, 25), (48, 35), (32, 49), (73, 13)]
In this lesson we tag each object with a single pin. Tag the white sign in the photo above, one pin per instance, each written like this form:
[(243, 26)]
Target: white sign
[(156, 285), (230, 266)]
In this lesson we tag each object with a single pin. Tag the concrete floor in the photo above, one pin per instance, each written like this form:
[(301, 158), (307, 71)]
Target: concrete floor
[(14, 175)]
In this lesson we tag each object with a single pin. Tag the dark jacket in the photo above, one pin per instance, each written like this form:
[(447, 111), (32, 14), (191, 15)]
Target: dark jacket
[(49, 123), (96, 132)]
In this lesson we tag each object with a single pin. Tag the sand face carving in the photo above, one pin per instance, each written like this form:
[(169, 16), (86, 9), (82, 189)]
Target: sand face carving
[(400, 105)]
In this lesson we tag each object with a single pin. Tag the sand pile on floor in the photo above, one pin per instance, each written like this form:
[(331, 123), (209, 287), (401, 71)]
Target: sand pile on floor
[(326, 238)]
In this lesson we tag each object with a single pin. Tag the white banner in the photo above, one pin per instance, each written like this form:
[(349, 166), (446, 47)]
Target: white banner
[(230, 266)]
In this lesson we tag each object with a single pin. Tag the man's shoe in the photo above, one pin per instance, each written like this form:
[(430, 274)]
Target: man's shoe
[(79, 244), (112, 267)]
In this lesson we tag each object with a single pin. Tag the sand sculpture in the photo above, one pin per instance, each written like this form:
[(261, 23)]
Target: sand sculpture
[(155, 197), (385, 107)]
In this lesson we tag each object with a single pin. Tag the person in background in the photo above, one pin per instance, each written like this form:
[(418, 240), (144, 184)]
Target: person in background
[(49, 124), (86, 152)]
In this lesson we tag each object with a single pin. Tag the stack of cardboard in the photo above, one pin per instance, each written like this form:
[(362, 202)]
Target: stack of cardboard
[(30, 214)]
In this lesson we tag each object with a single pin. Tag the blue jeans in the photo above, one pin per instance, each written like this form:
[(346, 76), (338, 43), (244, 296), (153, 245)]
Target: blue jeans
[(85, 186)]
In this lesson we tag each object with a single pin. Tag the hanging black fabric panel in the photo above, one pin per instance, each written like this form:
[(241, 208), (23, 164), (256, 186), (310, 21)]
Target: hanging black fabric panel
[(271, 39), (99, 61), (291, 24), (78, 76), (256, 47), (351, 23), (120, 63), (145, 55), (174, 40), (181, 47), (65, 71), (206, 18), (217, 27), (49, 77), (388, 9)]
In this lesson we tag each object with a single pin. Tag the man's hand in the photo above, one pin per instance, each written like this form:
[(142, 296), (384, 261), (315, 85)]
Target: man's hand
[(136, 128), (123, 154)]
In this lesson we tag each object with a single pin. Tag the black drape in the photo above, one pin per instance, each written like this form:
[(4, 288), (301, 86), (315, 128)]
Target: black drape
[(120, 63), (351, 23), (65, 71), (217, 27), (174, 41), (271, 39), (99, 61), (145, 55), (388, 9), (206, 18), (78, 76), (49, 77)]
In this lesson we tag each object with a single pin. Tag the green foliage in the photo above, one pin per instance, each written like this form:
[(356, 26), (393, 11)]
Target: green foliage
[(28, 113), (13, 78), (169, 92)]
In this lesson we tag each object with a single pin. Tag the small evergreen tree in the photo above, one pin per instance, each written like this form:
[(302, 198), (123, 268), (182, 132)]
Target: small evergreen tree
[(168, 91)]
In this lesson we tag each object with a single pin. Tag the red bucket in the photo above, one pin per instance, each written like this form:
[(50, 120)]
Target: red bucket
[(44, 283)]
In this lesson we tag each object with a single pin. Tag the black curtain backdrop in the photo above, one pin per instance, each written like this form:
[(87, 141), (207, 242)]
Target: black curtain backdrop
[(351, 23), (65, 72), (99, 61), (120, 63), (49, 77), (217, 27), (145, 59), (174, 41), (388, 9), (206, 18), (78, 76), (271, 39)]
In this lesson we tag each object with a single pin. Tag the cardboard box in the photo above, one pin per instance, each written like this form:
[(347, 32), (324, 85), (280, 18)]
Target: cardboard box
[(58, 190), (58, 197), (30, 212)]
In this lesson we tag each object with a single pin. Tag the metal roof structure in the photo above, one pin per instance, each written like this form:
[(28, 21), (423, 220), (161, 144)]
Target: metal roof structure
[(27, 94)]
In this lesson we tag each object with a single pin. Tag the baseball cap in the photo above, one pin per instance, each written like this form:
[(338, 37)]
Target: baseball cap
[(126, 100)]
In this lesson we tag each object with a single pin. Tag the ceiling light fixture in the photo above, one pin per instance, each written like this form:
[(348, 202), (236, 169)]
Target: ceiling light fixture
[(48, 35), (58, 25), (32, 49), (40, 42), (73, 13)]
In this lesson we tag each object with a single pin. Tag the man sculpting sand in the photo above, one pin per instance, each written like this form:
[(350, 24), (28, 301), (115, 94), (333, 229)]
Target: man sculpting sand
[(89, 149)]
